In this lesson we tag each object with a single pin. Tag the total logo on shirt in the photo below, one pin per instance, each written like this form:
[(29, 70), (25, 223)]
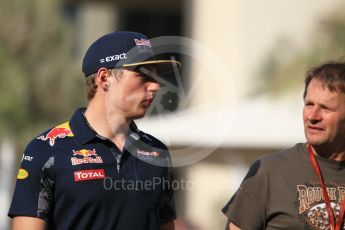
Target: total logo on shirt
[(92, 174)]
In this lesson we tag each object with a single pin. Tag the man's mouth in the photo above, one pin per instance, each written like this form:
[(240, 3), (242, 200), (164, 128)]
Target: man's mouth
[(315, 128), (147, 102)]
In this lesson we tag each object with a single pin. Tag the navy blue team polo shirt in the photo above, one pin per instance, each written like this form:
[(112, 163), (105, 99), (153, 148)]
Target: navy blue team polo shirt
[(75, 179)]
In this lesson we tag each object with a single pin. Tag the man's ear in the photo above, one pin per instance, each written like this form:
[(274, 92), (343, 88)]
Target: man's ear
[(102, 78)]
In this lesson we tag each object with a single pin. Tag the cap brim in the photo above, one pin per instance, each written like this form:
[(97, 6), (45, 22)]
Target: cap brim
[(172, 62), (163, 66)]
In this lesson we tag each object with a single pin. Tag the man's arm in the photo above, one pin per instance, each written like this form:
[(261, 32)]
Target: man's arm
[(28, 223), (168, 226), (231, 226), (29, 209), (246, 207)]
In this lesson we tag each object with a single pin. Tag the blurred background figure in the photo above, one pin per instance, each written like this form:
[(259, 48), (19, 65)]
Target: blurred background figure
[(243, 67)]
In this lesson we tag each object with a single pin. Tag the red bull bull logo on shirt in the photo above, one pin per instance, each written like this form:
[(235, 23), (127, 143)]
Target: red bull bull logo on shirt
[(60, 131), (88, 157)]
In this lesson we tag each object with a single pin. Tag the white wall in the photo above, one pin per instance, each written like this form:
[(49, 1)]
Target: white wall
[(242, 32)]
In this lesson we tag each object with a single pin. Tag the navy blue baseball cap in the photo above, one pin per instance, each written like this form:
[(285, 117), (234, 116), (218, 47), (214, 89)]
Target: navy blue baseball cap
[(121, 49)]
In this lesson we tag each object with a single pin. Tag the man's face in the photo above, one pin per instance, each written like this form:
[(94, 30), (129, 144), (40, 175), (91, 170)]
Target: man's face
[(132, 93), (324, 116)]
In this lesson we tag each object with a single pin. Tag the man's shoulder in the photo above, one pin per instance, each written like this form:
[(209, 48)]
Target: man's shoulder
[(47, 140), (284, 157), (156, 148), (50, 136), (276, 162), (155, 142)]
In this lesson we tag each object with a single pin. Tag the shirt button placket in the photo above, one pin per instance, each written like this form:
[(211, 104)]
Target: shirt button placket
[(117, 156)]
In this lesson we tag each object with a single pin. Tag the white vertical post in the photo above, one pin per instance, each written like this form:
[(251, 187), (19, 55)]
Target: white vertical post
[(95, 19), (7, 166)]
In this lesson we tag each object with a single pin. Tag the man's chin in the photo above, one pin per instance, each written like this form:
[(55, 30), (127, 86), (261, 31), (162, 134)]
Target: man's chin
[(137, 116), (315, 142)]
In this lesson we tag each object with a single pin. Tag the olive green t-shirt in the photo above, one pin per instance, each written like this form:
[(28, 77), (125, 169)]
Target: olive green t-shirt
[(282, 191)]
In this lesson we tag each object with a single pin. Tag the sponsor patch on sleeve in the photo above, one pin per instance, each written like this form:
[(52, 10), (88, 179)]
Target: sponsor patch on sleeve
[(22, 174), (27, 158)]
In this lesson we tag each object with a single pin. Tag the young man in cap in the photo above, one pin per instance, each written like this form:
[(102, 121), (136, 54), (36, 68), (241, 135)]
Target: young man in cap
[(99, 171), (302, 187)]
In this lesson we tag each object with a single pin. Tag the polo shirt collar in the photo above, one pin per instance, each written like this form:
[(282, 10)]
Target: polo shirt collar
[(80, 127), (84, 132)]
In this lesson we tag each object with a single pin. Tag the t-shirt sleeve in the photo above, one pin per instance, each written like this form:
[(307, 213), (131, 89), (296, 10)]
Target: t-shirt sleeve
[(34, 186), (247, 207)]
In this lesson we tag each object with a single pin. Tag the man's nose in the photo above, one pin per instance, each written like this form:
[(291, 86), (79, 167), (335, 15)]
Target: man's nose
[(153, 86), (314, 115)]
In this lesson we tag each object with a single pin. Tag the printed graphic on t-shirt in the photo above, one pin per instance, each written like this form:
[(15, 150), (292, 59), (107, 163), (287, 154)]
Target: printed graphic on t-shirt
[(312, 207)]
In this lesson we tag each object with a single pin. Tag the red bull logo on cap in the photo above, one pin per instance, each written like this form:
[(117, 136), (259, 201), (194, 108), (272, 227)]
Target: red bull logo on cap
[(60, 131), (142, 42), (88, 157)]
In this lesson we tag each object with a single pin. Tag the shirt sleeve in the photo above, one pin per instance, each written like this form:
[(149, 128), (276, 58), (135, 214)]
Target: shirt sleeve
[(34, 186), (247, 207), (167, 211)]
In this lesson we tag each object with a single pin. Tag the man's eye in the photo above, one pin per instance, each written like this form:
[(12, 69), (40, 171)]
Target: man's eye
[(327, 108), (145, 77), (141, 74)]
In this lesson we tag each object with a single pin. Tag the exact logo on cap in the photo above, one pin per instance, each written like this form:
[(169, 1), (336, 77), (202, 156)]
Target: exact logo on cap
[(114, 57)]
